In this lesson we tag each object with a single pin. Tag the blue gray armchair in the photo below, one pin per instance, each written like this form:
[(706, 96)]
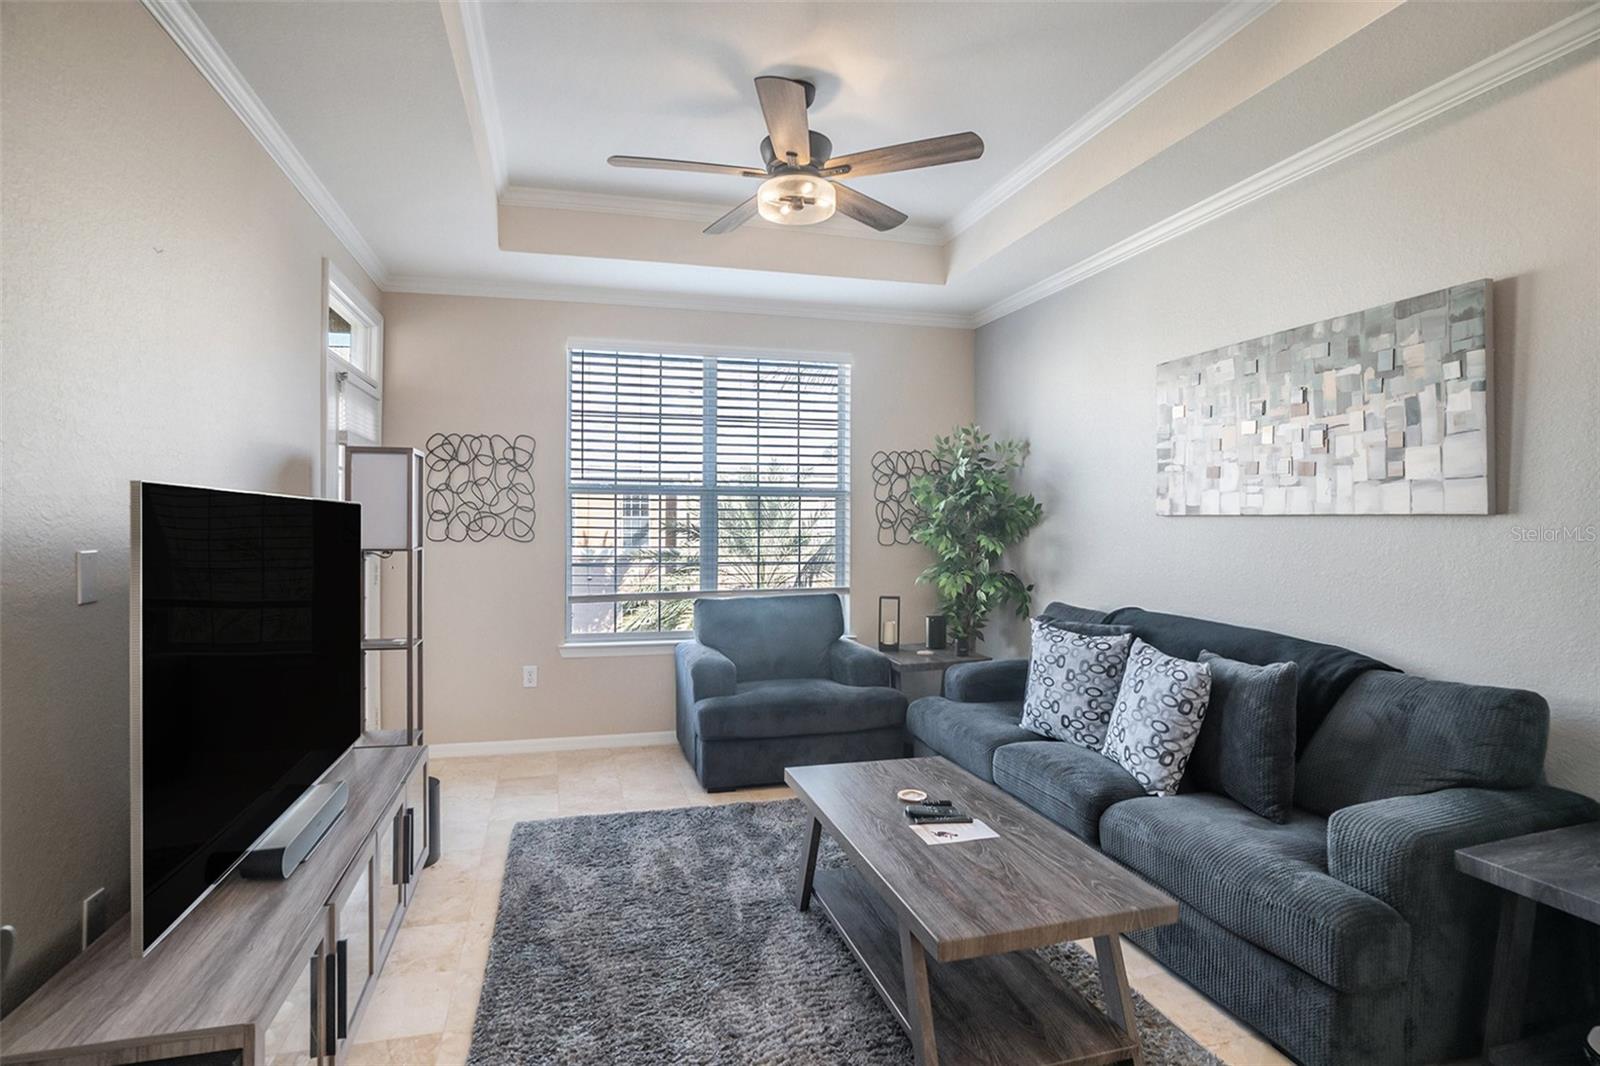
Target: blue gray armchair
[(770, 681)]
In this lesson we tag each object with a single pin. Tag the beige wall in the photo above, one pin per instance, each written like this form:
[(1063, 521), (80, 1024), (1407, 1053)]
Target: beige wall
[(1507, 187), (474, 365), (161, 321)]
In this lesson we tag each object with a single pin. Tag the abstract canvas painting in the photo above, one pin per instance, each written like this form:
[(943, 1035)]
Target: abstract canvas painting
[(1384, 411)]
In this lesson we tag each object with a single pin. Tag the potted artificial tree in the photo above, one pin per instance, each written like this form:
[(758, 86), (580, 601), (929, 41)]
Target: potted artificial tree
[(972, 515)]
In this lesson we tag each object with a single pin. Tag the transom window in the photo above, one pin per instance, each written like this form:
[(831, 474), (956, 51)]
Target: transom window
[(690, 476)]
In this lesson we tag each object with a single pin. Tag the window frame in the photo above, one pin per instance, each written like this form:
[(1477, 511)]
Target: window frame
[(339, 293), (648, 641)]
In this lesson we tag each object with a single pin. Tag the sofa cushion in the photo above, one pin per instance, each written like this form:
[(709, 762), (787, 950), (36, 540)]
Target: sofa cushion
[(1266, 882), (1403, 735), (770, 637), (1160, 709), (1072, 681), (1070, 785), (966, 733), (795, 708), (1065, 612), (1325, 669), (1246, 750)]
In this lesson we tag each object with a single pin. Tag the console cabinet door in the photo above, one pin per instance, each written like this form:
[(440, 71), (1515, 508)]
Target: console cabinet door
[(389, 876), (355, 959), (415, 829), (295, 1033)]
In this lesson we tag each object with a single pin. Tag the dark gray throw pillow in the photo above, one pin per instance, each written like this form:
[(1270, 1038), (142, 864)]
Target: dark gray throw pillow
[(1246, 750)]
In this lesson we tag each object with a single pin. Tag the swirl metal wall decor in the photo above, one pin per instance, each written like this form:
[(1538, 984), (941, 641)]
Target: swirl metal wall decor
[(891, 491), (479, 485)]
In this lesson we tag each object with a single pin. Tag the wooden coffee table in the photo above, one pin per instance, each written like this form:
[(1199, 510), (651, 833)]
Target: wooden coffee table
[(945, 931)]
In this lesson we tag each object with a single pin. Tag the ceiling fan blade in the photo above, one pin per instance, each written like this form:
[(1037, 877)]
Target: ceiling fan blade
[(933, 152), (734, 219), (644, 162), (783, 105), (865, 209)]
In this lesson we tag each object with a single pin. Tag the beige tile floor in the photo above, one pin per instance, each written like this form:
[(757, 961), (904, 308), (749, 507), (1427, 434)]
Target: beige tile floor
[(423, 1007)]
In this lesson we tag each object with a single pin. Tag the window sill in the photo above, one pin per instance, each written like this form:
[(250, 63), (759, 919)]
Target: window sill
[(600, 649)]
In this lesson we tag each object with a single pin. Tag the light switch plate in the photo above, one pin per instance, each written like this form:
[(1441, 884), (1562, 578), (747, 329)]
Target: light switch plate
[(94, 918), (88, 572)]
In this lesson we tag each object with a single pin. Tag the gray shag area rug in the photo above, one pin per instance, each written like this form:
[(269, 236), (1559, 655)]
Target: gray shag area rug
[(673, 937)]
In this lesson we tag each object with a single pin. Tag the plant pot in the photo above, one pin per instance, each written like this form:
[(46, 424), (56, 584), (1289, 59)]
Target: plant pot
[(963, 645)]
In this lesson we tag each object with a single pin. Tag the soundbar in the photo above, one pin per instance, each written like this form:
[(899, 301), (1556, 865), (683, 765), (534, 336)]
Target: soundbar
[(285, 846)]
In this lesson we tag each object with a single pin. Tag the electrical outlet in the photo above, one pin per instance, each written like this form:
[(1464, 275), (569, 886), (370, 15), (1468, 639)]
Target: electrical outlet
[(94, 918), (530, 677)]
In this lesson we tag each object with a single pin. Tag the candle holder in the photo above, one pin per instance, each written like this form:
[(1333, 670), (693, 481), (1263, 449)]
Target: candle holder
[(888, 623), (937, 639)]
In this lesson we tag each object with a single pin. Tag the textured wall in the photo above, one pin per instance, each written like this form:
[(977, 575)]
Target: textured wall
[(162, 313), (1507, 187), (472, 365)]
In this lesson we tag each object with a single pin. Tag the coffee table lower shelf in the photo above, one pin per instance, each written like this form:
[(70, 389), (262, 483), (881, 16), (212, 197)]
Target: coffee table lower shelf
[(1010, 1010)]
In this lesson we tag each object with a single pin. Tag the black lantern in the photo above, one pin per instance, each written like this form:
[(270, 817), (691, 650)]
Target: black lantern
[(936, 632), (888, 623)]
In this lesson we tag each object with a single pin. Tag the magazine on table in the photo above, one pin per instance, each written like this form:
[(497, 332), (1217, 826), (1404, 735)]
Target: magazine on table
[(953, 832)]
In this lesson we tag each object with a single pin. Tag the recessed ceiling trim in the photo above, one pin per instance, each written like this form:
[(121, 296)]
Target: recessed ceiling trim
[(512, 290), (1548, 45), (196, 42), (688, 211), (485, 116), (1198, 44)]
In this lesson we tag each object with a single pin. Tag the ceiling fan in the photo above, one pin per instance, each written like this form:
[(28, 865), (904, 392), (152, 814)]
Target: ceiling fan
[(800, 171)]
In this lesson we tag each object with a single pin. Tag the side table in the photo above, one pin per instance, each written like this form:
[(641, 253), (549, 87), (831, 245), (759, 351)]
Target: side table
[(1559, 868), (914, 658)]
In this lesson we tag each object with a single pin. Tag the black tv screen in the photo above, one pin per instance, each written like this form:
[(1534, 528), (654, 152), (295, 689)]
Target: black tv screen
[(246, 634)]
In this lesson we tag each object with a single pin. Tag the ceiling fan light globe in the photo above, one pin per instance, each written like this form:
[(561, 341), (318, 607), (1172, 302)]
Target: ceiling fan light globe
[(795, 200)]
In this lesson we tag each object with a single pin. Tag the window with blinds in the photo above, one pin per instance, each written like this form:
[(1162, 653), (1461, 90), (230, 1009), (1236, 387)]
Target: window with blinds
[(691, 476)]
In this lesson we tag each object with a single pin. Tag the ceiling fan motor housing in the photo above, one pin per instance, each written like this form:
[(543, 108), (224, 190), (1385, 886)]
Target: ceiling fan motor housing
[(821, 152)]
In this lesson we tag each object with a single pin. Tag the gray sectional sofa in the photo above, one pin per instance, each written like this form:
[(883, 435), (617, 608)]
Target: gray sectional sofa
[(1344, 934), (769, 682)]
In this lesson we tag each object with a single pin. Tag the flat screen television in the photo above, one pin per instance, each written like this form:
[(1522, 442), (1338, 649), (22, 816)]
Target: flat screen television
[(245, 678)]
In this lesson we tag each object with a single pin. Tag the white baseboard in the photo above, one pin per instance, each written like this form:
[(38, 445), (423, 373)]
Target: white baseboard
[(538, 744)]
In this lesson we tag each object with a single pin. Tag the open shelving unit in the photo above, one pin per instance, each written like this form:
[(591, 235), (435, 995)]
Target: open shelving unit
[(387, 482)]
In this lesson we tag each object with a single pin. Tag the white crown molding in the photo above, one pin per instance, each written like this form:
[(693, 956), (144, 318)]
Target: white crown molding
[(688, 211), (1195, 46), (513, 290), (1548, 45), (535, 745), (485, 116), (196, 42)]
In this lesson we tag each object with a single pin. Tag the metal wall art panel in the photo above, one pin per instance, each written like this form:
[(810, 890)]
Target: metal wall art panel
[(479, 485), (1385, 411)]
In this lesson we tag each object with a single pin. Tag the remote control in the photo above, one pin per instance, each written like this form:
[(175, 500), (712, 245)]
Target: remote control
[(939, 819), (929, 810)]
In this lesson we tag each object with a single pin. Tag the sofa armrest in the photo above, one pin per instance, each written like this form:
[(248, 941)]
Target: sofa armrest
[(704, 671), (1402, 850), (856, 664), (995, 681)]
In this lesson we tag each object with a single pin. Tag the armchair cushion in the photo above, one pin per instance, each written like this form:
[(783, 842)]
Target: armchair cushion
[(995, 681), (798, 707), (704, 671), (1403, 735), (850, 663), (1267, 883), (769, 637), (966, 733)]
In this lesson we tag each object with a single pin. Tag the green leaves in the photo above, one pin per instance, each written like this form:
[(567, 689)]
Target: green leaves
[(973, 517)]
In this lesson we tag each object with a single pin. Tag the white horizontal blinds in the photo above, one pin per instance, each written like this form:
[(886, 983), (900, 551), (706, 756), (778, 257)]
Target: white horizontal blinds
[(752, 453), (780, 429), (360, 412)]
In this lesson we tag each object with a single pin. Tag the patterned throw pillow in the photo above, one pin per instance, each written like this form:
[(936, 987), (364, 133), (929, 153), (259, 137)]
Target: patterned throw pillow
[(1160, 708), (1072, 681)]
